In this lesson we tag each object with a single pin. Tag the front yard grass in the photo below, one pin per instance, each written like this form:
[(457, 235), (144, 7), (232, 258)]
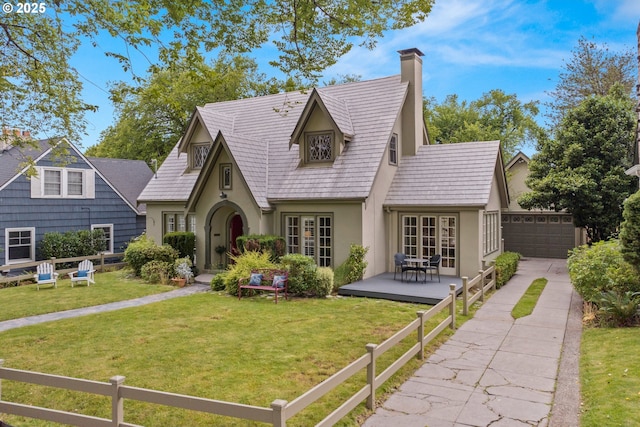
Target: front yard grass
[(210, 345), (23, 301), (610, 377)]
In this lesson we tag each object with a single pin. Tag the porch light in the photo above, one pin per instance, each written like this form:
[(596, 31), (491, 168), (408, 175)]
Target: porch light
[(223, 195)]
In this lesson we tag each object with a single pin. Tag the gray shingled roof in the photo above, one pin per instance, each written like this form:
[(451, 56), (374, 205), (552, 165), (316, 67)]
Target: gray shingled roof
[(258, 131), (11, 159), (446, 175), (129, 177)]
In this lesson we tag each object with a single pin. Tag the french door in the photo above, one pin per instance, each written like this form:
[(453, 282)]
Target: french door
[(426, 235)]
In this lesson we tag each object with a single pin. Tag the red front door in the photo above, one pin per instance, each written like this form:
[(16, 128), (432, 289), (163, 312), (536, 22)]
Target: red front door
[(235, 230)]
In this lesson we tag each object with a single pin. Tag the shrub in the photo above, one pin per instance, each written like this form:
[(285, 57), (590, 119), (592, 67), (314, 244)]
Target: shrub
[(302, 273), (275, 245), (356, 265), (157, 272), (242, 267), (72, 244), (324, 281), (506, 265), (217, 283), (630, 230), (619, 309), (182, 241), (600, 268), (142, 250)]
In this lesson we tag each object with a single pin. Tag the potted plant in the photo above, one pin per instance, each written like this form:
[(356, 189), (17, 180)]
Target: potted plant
[(183, 271), (220, 250)]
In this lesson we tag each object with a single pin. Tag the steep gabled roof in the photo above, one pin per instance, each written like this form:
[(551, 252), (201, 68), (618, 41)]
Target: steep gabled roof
[(11, 160), (447, 175), (129, 177), (258, 131), (520, 157)]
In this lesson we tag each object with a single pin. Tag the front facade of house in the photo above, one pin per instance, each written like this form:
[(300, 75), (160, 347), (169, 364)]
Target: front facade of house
[(330, 167), (80, 195)]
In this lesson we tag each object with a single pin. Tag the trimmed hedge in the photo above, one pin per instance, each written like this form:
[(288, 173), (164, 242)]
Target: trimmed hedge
[(275, 245), (72, 244), (506, 265), (143, 250), (182, 241)]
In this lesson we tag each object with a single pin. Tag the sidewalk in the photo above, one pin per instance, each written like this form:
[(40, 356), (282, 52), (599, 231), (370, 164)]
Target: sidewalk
[(32, 320), (495, 371)]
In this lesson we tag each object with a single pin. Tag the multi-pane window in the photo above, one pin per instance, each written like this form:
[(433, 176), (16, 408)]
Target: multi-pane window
[(174, 221), (320, 147), (311, 236), (429, 244), (52, 182), (490, 232), (199, 155), (393, 150), (63, 182), (410, 236), (108, 234), (20, 244), (74, 183)]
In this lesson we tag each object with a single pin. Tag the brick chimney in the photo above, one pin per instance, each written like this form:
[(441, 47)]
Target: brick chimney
[(11, 134), (412, 117)]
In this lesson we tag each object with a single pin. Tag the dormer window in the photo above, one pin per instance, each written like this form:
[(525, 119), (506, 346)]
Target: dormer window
[(393, 150), (320, 147), (198, 155)]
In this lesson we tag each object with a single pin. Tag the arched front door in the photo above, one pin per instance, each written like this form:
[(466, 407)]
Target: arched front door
[(235, 229)]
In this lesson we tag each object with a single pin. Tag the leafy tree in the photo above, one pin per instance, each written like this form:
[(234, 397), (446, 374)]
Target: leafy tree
[(152, 117), (592, 70), (40, 89), (582, 170), (630, 230), (495, 116)]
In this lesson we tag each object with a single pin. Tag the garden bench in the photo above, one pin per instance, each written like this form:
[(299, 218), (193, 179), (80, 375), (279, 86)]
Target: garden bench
[(275, 281)]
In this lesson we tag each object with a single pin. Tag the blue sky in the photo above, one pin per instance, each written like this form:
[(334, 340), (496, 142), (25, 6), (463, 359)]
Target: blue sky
[(470, 47)]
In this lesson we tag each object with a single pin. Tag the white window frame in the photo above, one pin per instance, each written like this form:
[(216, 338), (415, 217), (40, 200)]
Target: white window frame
[(32, 231), (39, 182), (490, 232), (110, 239), (176, 221)]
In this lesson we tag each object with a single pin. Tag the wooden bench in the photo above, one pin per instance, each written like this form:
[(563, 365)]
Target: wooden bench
[(263, 280)]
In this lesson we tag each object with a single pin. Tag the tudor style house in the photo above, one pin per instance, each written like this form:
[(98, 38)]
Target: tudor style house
[(332, 166), (81, 194)]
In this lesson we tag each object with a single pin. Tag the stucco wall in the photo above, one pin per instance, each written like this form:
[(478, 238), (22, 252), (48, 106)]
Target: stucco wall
[(516, 175)]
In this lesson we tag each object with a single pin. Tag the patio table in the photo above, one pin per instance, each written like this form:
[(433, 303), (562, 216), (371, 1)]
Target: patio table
[(417, 263)]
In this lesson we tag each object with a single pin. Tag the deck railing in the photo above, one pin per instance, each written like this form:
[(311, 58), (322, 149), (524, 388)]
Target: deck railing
[(100, 262), (280, 410)]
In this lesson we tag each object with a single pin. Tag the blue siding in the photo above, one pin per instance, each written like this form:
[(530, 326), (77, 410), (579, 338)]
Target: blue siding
[(18, 209)]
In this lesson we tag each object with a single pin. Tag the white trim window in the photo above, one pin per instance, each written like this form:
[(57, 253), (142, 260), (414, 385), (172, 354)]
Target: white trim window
[(67, 183), (174, 221), (310, 235), (490, 232), (20, 244), (108, 234)]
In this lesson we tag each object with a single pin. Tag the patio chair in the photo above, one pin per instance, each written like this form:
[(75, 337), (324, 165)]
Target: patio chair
[(400, 265), (84, 273), (45, 275), (434, 264)]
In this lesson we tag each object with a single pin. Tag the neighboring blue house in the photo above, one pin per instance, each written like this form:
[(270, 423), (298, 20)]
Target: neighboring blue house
[(85, 193)]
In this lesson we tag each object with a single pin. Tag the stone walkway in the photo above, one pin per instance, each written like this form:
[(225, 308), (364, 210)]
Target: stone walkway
[(32, 320), (497, 371)]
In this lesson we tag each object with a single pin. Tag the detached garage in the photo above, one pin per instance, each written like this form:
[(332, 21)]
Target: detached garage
[(539, 234)]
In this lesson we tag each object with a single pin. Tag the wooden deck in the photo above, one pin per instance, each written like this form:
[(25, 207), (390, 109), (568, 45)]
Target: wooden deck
[(384, 287)]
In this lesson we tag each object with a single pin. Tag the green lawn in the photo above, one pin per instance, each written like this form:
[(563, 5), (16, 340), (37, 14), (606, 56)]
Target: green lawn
[(23, 301), (210, 345), (610, 377), (528, 301)]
